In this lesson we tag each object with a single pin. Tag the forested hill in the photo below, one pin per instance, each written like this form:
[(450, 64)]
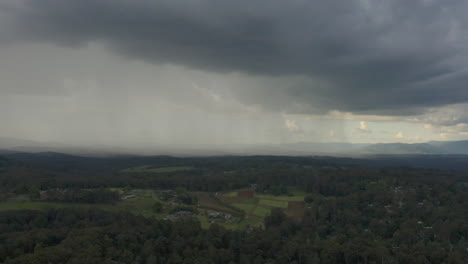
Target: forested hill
[(158, 210), (3, 161), (409, 223), (71, 163)]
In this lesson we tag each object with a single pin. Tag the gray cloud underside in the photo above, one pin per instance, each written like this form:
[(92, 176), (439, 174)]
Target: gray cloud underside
[(394, 57)]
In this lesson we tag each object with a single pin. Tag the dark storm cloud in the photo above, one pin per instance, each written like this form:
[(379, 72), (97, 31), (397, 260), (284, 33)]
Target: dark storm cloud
[(384, 57)]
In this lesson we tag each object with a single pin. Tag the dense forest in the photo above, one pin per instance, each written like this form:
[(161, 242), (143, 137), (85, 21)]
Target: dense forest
[(354, 214), (26, 172)]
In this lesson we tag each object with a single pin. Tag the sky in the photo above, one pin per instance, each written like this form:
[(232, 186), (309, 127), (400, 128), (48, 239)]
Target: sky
[(129, 72)]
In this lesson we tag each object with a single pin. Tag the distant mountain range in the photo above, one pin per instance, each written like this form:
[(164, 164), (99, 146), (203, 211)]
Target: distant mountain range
[(432, 147), (9, 145)]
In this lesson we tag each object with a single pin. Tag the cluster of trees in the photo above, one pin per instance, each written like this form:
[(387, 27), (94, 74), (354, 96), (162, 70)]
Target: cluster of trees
[(273, 189), (353, 215), (90, 236), (272, 174)]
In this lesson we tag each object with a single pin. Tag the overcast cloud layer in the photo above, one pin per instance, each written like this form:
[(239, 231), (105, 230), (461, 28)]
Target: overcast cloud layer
[(394, 58)]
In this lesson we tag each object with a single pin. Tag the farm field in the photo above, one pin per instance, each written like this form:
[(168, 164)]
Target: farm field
[(273, 203), (244, 207), (15, 205), (141, 204), (209, 201), (244, 211), (261, 211), (298, 197), (231, 194), (260, 206)]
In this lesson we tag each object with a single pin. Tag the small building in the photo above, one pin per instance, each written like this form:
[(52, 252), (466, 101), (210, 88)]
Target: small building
[(128, 196), (214, 214)]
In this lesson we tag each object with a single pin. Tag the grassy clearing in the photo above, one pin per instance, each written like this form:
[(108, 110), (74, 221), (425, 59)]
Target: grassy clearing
[(137, 169), (247, 200), (261, 211), (231, 194), (205, 224), (149, 168), (244, 207), (274, 203), (14, 205), (280, 198), (254, 209), (207, 202), (171, 169), (253, 220), (139, 202)]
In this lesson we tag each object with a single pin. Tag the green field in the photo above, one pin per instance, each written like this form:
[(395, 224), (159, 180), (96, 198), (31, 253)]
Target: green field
[(244, 207), (281, 198), (14, 205), (231, 194), (246, 200), (255, 209), (262, 211), (274, 203), (149, 168), (141, 204), (204, 222), (260, 206), (207, 201)]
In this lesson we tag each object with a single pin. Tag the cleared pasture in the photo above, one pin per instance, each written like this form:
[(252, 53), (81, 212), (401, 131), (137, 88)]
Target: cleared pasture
[(244, 207), (246, 200), (14, 205), (273, 203), (261, 211), (280, 198), (230, 194)]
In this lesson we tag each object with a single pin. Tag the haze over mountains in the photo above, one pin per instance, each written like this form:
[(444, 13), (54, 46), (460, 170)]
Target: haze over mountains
[(10, 145)]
